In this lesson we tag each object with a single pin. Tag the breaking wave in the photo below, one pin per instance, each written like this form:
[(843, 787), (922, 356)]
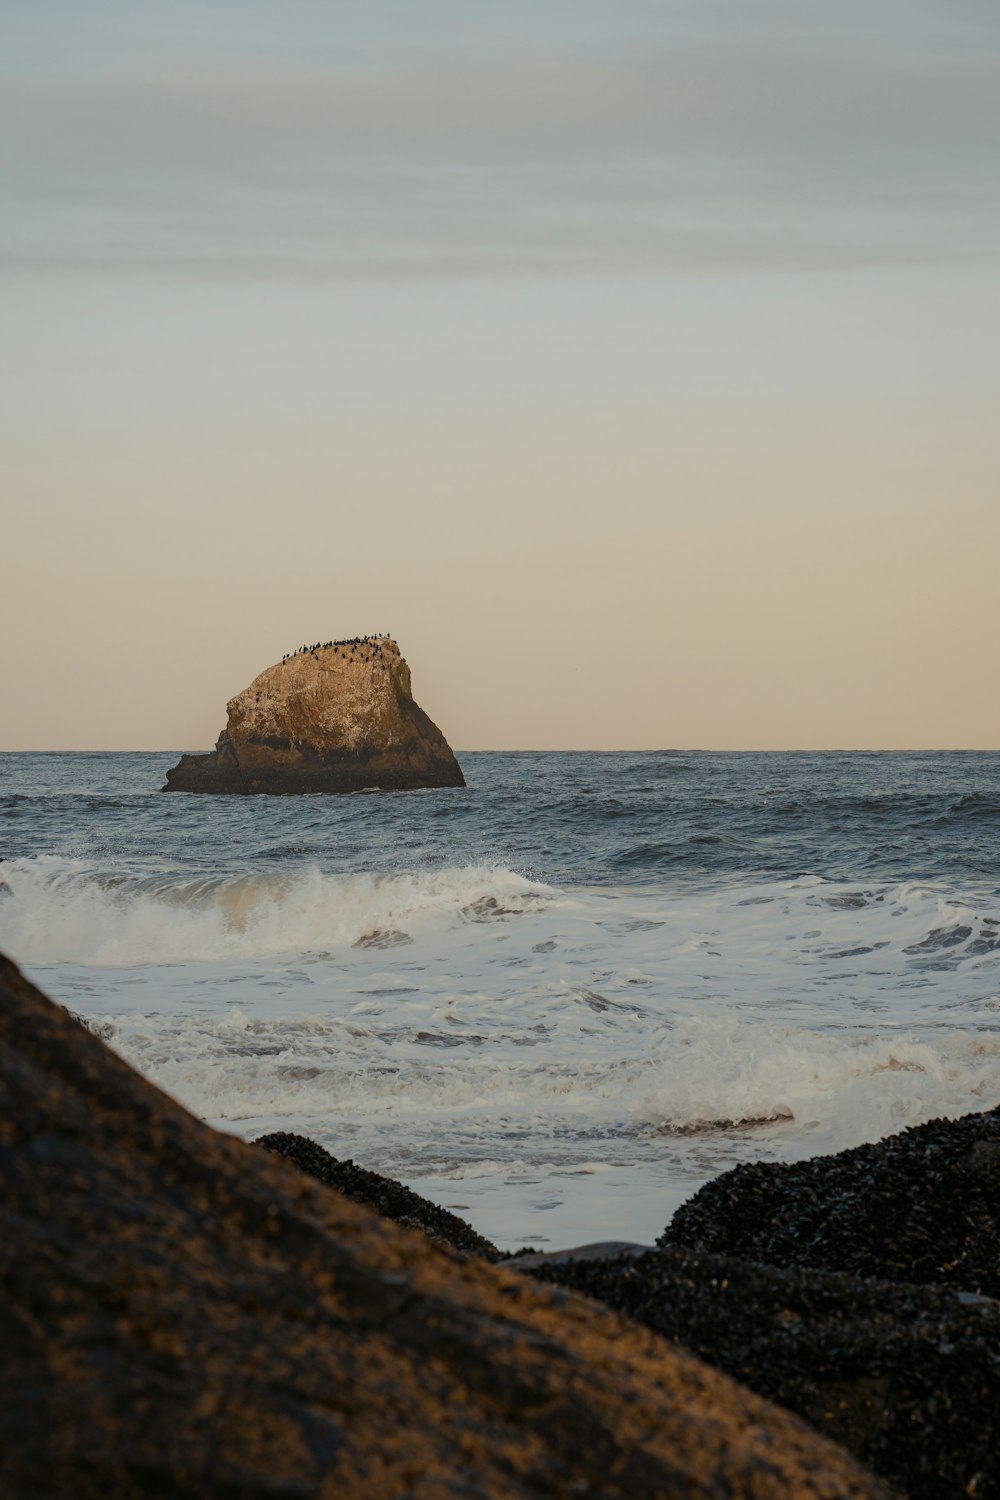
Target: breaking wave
[(694, 1082), (54, 911), (721, 1074)]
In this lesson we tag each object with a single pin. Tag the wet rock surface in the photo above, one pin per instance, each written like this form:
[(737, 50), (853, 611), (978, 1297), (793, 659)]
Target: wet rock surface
[(921, 1206), (385, 1195), (334, 717), (906, 1377), (184, 1314)]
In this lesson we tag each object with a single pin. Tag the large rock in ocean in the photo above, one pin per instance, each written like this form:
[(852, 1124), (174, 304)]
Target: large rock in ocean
[(184, 1314), (333, 718)]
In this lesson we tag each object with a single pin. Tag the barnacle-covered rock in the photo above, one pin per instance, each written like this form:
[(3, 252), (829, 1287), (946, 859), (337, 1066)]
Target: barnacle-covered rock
[(920, 1206), (906, 1377)]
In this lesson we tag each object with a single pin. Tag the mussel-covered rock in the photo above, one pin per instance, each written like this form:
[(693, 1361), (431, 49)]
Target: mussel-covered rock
[(907, 1377), (392, 1199), (921, 1206)]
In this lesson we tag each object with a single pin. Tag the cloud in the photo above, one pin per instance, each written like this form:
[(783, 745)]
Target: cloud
[(729, 149)]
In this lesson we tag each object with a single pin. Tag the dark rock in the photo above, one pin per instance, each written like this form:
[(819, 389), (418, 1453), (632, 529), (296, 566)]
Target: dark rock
[(328, 720), (186, 1315), (984, 1157), (906, 1377), (857, 1289), (384, 1194), (922, 1206)]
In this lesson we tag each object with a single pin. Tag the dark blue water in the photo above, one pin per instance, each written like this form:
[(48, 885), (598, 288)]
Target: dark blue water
[(564, 818)]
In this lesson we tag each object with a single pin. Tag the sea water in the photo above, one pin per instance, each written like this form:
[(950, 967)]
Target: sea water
[(556, 1001)]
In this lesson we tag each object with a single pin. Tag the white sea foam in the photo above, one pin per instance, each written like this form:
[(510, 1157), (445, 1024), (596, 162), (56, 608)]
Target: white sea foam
[(609, 1048), (681, 1076), (846, 1086), (675, 1103), (58, 911)]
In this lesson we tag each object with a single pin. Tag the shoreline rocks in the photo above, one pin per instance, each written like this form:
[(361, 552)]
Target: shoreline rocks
[(905, 1377), (336, 717), (921, 1206), (859, 1290), (852, 1289), (186, 1314), (385, 1195)]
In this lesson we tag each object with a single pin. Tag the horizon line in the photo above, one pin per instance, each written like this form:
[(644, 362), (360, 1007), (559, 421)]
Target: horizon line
[(584, 750)]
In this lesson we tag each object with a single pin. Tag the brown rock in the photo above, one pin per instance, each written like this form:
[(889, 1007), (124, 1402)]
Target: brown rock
[(340, 718), (186, 1315)]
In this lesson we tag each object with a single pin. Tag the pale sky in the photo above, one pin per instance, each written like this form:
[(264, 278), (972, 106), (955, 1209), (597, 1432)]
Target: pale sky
[(635, 364)]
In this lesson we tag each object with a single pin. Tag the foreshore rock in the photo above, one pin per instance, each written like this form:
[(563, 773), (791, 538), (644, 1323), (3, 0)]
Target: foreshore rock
[(392, 1199), (337, 717), (906, 1377), (858, 1290), (921, 1206), (186, 1315)]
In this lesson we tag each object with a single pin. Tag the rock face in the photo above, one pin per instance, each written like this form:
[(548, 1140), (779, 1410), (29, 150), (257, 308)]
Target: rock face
[(906, 1377), (337, 717), (185, 1314), (859, 1290), (921, 1206), (393, 1200)]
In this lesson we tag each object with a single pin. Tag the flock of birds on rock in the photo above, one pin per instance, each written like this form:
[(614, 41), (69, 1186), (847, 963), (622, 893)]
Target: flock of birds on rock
[(369, 647)]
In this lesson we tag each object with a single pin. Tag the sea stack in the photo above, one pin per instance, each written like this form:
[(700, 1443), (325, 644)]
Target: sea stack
[(336, 717)]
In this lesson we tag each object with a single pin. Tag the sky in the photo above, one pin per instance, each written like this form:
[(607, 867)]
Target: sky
[(636, 365)]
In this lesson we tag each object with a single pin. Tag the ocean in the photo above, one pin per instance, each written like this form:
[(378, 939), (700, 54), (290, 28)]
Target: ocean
[(556, 1001)]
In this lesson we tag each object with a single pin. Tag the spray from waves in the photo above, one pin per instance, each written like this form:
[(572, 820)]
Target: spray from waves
[(846, 1086), (57, 911), (702, 1078)]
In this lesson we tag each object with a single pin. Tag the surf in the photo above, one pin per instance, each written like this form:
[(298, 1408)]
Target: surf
[(57, 912)]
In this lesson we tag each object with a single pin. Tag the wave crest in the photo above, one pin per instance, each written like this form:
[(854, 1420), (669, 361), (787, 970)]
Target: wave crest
[(54, 911), (721, 1075)]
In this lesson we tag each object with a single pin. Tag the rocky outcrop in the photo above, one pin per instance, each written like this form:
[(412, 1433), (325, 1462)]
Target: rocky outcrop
[(921, 1206), (859, 1290), (335, 717), (906, 1377), (392, 1199), (187, 1315)]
